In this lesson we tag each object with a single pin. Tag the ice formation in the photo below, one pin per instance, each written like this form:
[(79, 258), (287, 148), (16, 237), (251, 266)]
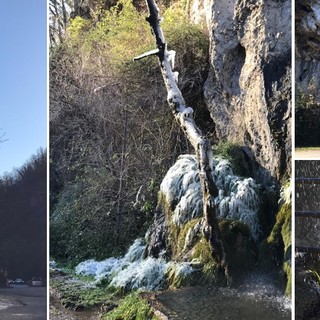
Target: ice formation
[(111, 266), (132, 272), (237, 200), (286, 193), (147, 274)]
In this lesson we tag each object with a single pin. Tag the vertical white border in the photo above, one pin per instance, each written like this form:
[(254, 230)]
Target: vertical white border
[(48, 160), (293, 159)]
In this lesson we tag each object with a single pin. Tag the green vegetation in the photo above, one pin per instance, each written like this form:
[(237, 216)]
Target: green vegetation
[(235, 155), (275, 251), (132, 307), (78, 293), (112, 136)]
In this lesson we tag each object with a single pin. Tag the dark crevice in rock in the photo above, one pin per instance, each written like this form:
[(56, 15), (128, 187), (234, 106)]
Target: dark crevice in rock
[(274, 71), (233, 63)]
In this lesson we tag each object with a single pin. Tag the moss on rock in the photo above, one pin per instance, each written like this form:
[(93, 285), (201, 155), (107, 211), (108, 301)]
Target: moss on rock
[(275, 251), (235, 155), (307, 297), (210, 270), (240, 247), (133, 306)]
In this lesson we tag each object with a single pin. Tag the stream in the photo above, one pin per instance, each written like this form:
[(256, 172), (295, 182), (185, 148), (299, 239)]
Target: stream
[(252, 301)]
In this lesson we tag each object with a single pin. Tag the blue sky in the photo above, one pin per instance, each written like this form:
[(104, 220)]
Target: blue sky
[(23, 84)]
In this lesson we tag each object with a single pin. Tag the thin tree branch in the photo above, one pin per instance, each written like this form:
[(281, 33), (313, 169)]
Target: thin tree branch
[(147, 54)]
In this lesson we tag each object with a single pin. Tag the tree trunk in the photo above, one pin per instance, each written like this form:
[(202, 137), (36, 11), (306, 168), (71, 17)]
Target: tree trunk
[(184, 116)]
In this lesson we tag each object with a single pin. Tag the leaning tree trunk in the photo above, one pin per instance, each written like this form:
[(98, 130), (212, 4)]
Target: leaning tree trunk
[(184, 116)]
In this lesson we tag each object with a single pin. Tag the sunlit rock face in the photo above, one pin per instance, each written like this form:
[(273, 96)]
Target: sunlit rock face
[(308, 45), (248, 91)]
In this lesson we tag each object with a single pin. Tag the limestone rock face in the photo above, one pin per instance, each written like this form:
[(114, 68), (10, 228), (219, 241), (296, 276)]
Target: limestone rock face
[(248, 91), (308, 45)]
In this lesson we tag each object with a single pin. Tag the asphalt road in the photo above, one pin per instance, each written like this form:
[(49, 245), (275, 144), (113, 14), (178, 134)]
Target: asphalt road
[(23, 302)]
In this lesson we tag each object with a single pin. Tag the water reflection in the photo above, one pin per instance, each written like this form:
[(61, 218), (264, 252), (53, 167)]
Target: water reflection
[(257, 299)]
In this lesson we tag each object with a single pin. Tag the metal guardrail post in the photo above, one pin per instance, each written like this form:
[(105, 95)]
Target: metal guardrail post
[(308, 180), (308, 214)]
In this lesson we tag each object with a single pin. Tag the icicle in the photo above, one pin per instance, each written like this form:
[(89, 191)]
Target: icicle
[(176, 76)]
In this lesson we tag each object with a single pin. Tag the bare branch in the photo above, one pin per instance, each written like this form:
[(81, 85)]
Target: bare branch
[(184, 116), (147, 54)]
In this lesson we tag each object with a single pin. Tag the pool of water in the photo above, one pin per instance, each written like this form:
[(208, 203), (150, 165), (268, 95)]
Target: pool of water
[(251, 301)]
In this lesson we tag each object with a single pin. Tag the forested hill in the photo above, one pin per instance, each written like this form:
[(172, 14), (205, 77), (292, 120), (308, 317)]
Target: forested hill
[(23, 219)]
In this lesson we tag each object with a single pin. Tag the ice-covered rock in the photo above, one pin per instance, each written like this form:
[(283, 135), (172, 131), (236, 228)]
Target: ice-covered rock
[(237, 200), (131, 271)]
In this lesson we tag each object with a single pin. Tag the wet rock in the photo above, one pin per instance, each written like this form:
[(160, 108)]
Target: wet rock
[(108, 306), (156, 237), (275, 250), (241, 248)]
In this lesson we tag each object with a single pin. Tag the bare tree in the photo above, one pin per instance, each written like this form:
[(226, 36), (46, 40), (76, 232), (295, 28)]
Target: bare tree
[(2, 135), (202, 146), (58, 17)]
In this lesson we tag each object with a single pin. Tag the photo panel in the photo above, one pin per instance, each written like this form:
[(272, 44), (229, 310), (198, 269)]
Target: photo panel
[(170, 159), (307, 238)]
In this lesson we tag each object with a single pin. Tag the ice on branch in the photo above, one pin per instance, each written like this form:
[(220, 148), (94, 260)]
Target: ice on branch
[(186, 113), (176, 76), (171, 57), (147, 54)]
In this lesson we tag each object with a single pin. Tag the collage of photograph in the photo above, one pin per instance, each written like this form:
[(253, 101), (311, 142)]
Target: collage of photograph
[(160, 160)]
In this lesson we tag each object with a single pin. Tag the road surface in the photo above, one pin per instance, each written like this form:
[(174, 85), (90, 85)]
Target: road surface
[(23, 302)]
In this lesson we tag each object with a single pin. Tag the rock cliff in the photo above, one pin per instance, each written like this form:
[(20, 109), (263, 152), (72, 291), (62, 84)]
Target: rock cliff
[(308, 45), (248, 90)]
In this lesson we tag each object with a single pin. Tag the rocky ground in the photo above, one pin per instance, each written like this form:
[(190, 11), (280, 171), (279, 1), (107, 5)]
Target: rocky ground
[(72, 298), (58, 312)]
